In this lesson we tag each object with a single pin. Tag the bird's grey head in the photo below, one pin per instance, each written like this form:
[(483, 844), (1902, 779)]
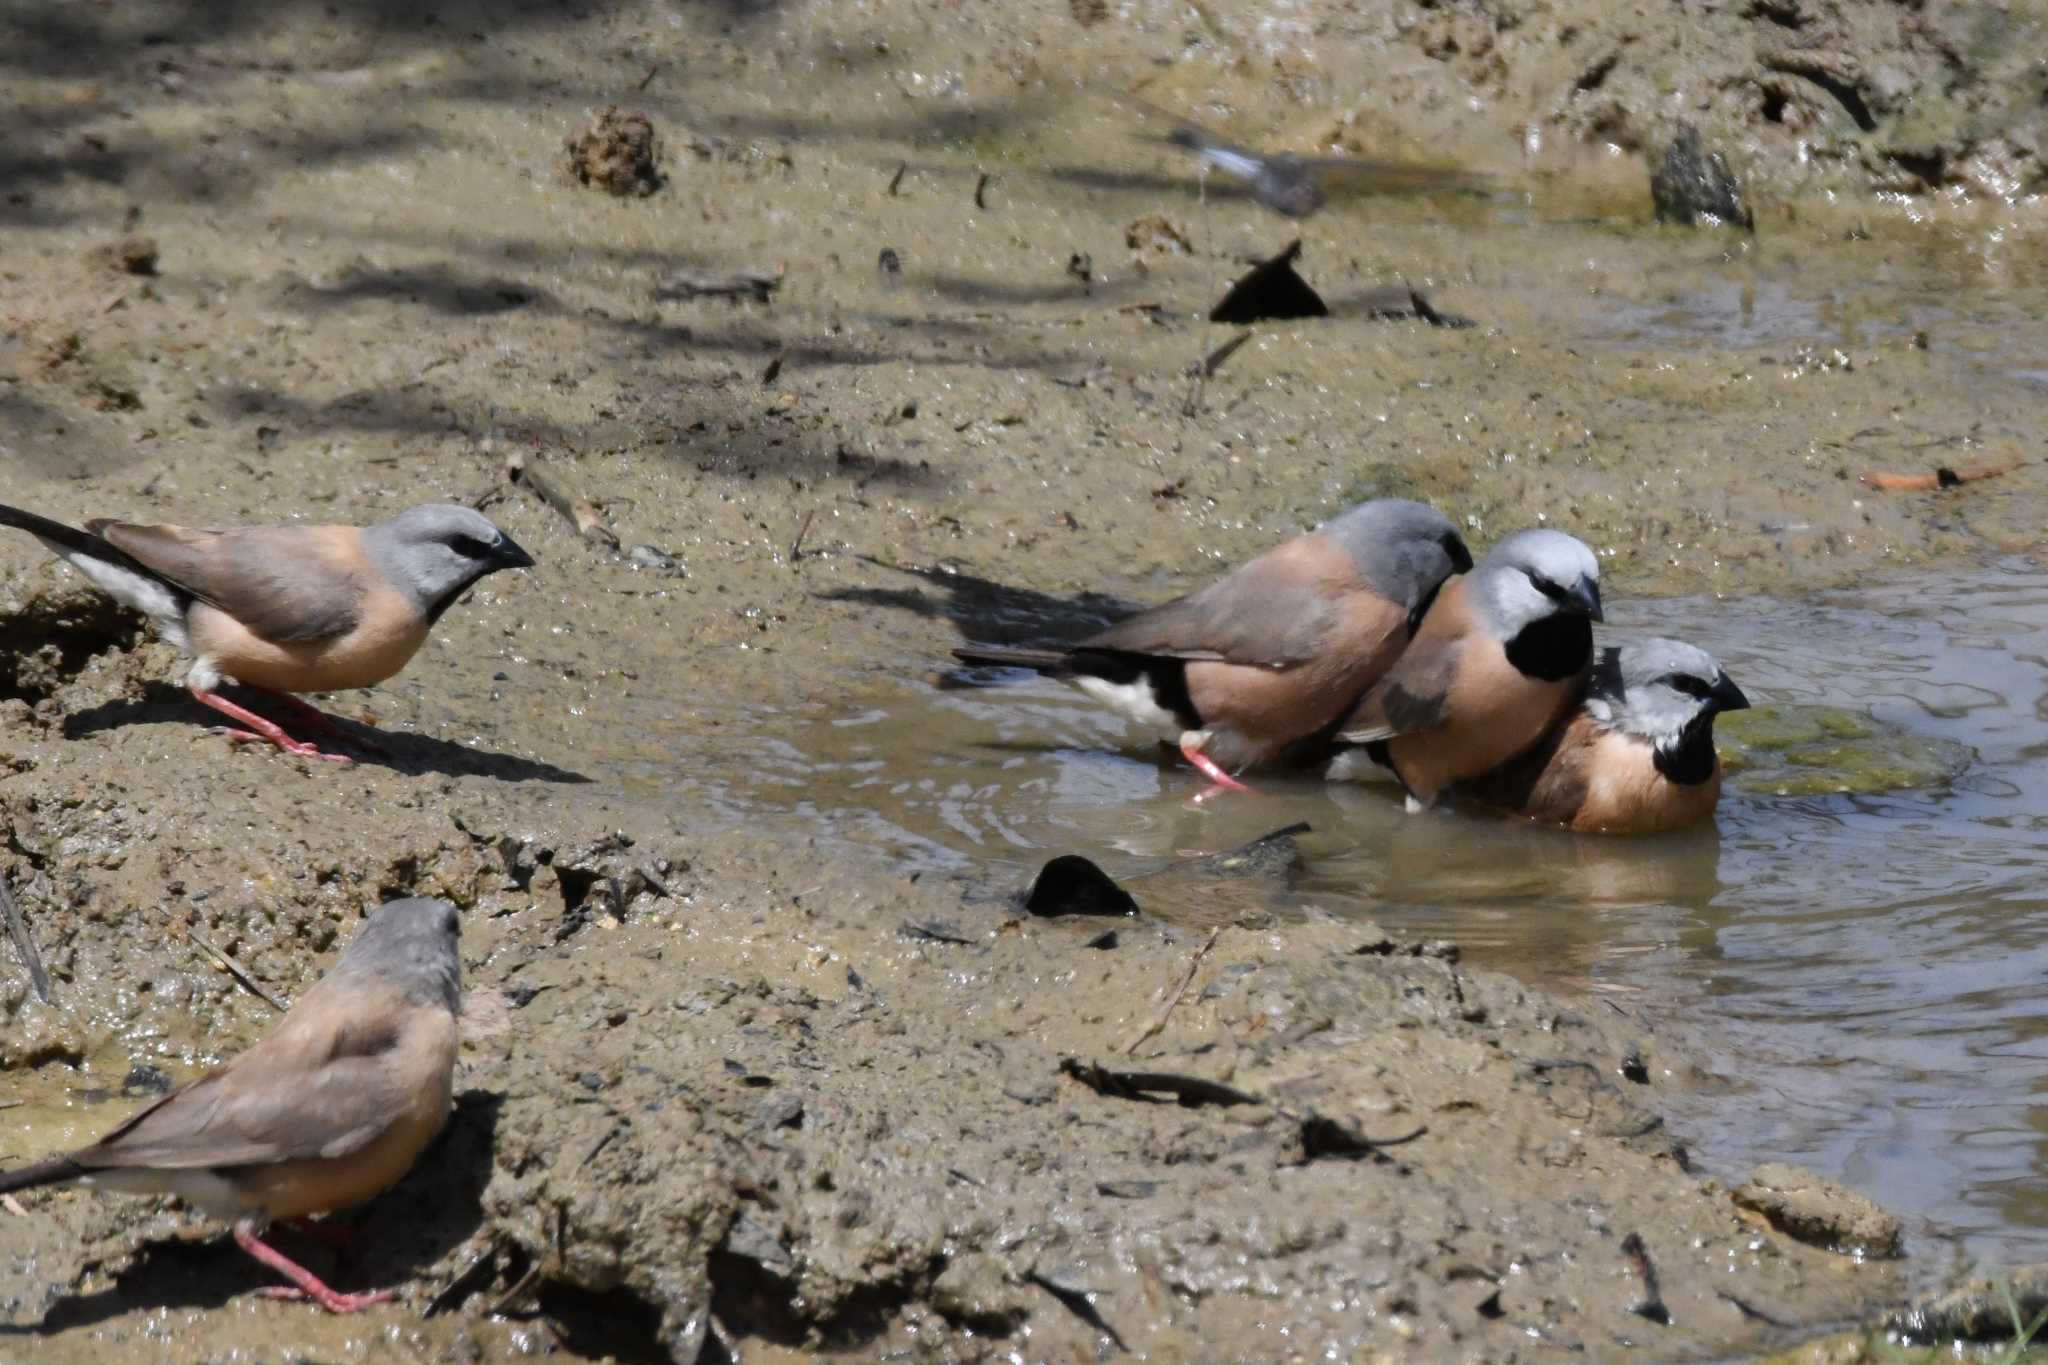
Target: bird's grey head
[(1404, 550), (410, 944), (1534, 575), (434, 552), (1660, 690)]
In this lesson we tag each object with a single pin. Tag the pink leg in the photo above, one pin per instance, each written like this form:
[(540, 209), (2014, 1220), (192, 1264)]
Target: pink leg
[(1191, 750), (315, 719), (309, 1284), (260, 729)]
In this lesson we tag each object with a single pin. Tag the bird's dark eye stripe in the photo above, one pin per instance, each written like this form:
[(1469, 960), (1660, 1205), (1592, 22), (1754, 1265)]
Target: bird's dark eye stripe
[(1688, 684), (470, 547), (1545, 586)]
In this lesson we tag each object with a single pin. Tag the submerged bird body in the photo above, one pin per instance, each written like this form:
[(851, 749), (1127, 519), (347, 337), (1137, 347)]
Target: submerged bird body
[(1636, 757), (328, 1111), (1272, 654), (287, 608), (1502, 655)]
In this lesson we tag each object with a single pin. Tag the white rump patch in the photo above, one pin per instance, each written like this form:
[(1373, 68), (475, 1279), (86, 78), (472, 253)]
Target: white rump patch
[(1355, 765), (1134, 700), (132, 589)]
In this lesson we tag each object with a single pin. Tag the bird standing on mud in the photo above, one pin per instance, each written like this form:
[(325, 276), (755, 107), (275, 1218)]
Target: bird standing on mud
[(1636, 757), (1501, 657), (287, 608), (1272, 654), (327, 1112)]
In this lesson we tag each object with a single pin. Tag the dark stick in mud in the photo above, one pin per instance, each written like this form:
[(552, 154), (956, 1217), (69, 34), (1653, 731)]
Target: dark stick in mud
[(1214, 360), (981, 190), (17, 929), (1652, 1307), (1193, 964), (237, 971), (796, 545), (896, 180)]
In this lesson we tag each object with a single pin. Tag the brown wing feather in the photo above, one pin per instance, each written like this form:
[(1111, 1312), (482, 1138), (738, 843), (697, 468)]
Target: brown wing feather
[(1414, 694), (1275, 612), (318, 1087), (289, 584)]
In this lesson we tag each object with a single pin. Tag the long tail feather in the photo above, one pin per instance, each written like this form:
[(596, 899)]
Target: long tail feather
[(52, 1172), (1054, 661), (60, 537)]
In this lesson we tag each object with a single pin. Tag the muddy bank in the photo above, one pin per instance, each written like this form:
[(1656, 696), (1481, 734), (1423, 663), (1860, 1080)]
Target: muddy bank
[(720, 1080)]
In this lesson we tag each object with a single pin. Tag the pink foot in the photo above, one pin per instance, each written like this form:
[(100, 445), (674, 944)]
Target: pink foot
[(1223, 781), (313, 718), (261, 729), (309, 1285)]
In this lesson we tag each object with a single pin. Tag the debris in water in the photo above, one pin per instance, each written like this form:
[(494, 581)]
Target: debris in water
[(1272, 290)]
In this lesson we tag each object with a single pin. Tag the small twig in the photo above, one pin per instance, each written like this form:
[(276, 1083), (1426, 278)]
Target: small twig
[(745, 284), (1180, 990), (1198, 380), (1940, 478), (17, 929), (12, 1104), (1214, 360), (896, 180), (515, 1293), (981, 190), (648, 79), (796, 546), (774, 368), (13, 1206), (237, 970), (1652, 1305), (578, 512)]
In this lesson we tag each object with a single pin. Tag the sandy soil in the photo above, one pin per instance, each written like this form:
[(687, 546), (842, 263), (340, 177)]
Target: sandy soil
[(709, 1076)]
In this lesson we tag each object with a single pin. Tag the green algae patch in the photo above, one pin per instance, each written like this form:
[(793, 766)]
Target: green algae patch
[(1828, 750)]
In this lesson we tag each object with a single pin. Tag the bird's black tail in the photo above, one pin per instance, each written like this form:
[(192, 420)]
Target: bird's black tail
[(1052, 661), (57, 535), (52, 1172)]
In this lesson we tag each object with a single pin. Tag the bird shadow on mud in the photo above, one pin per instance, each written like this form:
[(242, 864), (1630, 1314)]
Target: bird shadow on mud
[(434, 1210), (410, 754), (988, 612)]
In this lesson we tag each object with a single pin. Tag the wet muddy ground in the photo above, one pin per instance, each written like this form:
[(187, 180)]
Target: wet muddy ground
[(755, 1064)]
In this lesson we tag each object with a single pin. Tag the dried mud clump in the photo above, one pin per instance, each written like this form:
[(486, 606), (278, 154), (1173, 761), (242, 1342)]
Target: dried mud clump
[(617, 152)]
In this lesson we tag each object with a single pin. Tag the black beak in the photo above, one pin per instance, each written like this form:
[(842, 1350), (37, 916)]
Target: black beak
[(1586, 598), (507, 554), (1726, 696)]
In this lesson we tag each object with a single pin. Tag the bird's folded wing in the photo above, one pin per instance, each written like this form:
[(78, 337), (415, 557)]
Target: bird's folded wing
[(1413, 697), (289, 584), (1275, 612), (238, 1117)]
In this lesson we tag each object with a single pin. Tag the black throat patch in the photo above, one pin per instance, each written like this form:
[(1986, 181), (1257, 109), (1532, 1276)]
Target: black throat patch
[(1690, 761), (1553, 649), (453, 595)]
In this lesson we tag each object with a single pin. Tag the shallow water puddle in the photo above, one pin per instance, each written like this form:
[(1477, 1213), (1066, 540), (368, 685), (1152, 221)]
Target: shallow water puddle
[(1871, 963)]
